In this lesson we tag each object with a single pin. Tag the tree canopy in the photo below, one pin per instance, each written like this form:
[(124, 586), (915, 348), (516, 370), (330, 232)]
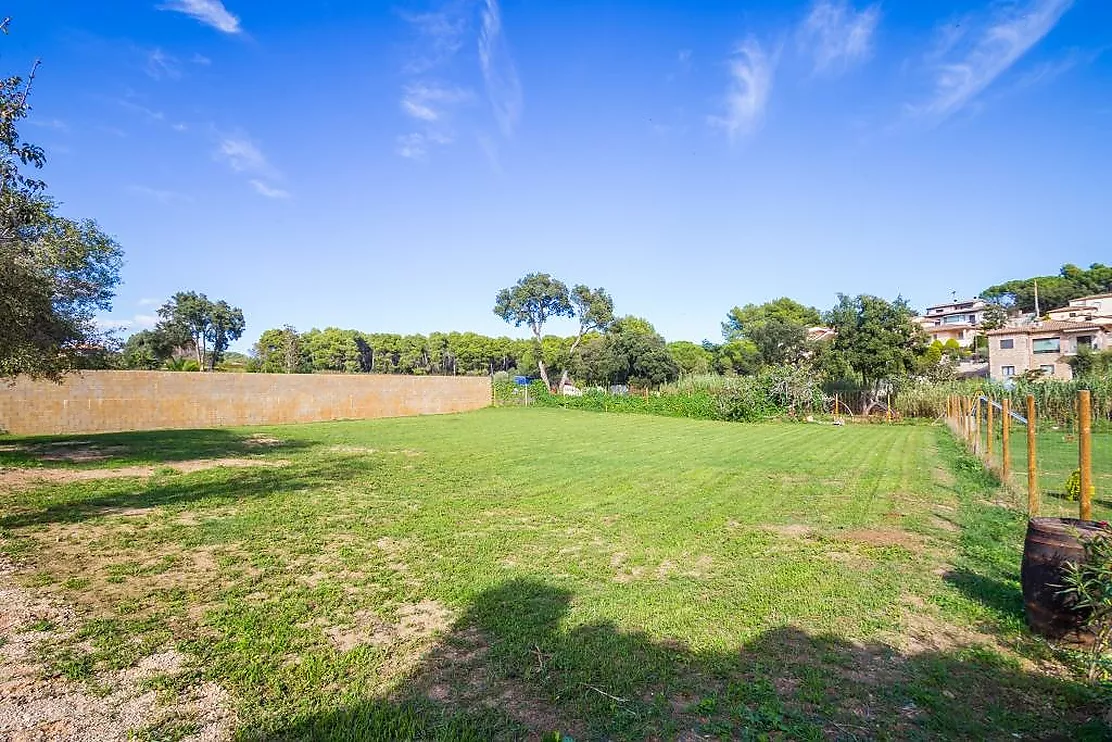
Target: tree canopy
[(1054, 291), (55, 273), (532, 301), (777, 328), (875, 337), (192, 319)]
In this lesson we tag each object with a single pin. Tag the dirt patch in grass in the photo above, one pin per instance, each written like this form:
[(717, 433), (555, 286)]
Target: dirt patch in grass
[(352, 449), (262, 440), (70, 452), (790, 530), (415, 622), (14, 479), (884, 537), (36, 704)]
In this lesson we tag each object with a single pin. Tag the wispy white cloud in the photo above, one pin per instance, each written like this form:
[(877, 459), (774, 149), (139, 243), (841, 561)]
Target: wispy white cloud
[(245, 157), (149, 302), (416, 145), (263, 189), (55, 124), (499, 73), (440, 36), (139, 321), (160, 195), (242, 155), (490, 150), (210, 12), (107, 324), (837, 35), (430, 102), (965, 63), (200, 59), (1047, 71), (748, 91), (138, 108), (162, 66)]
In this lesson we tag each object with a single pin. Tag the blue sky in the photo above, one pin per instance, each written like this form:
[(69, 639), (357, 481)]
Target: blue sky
[(389, 166)]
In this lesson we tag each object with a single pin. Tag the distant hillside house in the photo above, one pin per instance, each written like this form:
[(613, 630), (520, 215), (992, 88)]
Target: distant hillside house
[(957, 320), (1094, 308), (1045, 345), (821, 334)]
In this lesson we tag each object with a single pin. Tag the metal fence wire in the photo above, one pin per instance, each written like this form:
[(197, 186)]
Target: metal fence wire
[(1051, 464)]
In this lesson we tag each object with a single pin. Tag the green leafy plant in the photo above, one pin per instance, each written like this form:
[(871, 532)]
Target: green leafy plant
[(1089, 584), (1073, 485)]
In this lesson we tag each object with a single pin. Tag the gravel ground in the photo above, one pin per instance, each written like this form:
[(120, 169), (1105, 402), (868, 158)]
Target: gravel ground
[(34, 706)]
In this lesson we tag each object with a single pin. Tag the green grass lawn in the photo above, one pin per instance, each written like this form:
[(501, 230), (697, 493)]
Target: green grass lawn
[(511, 572)]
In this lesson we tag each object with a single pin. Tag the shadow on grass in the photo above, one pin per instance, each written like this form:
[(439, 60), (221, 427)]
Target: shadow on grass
[(143, 447), (217, 486), (1004, 597), (512, 669)]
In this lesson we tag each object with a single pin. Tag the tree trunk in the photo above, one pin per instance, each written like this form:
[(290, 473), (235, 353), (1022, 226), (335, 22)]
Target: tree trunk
[(544, 373)]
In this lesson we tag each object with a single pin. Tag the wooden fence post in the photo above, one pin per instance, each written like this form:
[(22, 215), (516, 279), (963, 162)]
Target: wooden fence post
[(977, 425), (1032, 466), (1005, 452), (966, 423), (1085, 451), (988, 437)]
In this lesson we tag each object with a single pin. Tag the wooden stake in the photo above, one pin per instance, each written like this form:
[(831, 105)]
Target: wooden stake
[(1032, 466), (1005, 437), (1085, 451), (988, 437), (977, 426)]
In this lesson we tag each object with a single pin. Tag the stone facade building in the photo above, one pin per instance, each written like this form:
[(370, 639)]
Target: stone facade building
[(1044, 345)]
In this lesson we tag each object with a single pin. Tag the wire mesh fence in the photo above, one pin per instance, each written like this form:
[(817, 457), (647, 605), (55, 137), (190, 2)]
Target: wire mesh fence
[(1039, 453)]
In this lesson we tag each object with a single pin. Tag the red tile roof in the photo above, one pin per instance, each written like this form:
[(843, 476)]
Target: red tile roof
[(1053, 326)]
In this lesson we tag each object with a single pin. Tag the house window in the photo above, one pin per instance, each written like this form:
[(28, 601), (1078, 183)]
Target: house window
[(1047, 345), (1047, 369), (1007, 370), (954, 319), (1084, 341), (1007, 344)]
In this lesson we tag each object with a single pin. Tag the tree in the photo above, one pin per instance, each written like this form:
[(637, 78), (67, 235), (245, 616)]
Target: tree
[(640, 354), (691, 357), (55, 273), (279, 351), (996, 317), (333, 349), (191, 318), (877, 338), (778, 328), (532, 301), (185, 320), (226, 324), (595, 311), (1054, 291), (147, 349)]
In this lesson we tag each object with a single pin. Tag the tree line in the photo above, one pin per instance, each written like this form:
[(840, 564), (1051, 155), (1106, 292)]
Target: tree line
[(873, 340)]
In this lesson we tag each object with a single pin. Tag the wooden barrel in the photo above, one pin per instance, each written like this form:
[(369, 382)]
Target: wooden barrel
[(1050, 544)]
